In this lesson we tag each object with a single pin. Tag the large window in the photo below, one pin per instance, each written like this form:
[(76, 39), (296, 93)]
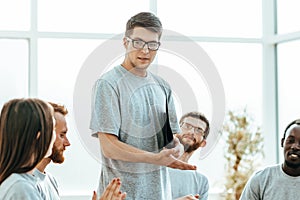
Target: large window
[(14, 69), (43, 45), (15, 15), (91, 16), (231, 18), (288, 16)]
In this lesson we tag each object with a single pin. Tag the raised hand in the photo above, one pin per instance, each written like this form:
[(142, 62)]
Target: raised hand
[(112, 191)]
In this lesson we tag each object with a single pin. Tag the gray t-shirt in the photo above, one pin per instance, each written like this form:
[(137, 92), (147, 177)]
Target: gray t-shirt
[(272, 183), (186, 182), (134, 109), (47, 184), (20, 187)]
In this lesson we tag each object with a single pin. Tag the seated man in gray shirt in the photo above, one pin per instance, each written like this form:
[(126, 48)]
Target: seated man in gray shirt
[(47, 183), (190, 184), (282, 181)]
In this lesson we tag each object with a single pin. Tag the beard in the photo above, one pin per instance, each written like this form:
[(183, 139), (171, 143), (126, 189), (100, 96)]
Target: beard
[(187, 147), (57, 155), (292, 165)]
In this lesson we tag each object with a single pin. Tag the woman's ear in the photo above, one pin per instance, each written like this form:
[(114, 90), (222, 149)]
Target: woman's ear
[(38, 135)]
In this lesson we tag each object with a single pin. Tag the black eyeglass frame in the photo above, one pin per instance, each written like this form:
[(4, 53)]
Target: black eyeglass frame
[(144, 43), (185, 126)]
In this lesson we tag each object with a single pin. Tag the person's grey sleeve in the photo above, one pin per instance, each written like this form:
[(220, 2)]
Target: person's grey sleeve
[(23, 191), (105, 109), (251, 190), (54, 182), (204, 189), (172, 114)]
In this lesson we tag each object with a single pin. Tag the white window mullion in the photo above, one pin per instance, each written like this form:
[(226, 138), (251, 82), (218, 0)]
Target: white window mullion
[(33, 52), (270, 88)]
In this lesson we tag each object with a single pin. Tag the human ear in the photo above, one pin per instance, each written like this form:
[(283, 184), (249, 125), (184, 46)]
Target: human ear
[(282, 142), (125, 42), (38, 135), (203, 143)]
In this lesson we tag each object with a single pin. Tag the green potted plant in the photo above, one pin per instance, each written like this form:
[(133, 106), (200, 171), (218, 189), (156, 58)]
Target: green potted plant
[(244, 151)]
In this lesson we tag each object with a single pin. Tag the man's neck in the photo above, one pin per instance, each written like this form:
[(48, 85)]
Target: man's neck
[(43, 164), (142, 72), (186, 156), (291, 171)]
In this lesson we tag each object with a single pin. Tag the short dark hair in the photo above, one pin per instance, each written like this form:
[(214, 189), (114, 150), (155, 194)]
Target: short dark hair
[(59, 108), (26, 128), (297, 122), (146, 20), (197, 115)]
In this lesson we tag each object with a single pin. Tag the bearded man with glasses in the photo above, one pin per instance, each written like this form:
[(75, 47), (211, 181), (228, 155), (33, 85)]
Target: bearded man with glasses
[(190, 184), (128, 113)]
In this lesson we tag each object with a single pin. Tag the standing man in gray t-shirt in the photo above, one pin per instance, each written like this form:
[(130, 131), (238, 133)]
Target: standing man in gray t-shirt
[(280, 182), (128, 112)]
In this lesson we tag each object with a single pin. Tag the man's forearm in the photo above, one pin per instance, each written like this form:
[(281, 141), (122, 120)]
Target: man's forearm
[(114, 149)]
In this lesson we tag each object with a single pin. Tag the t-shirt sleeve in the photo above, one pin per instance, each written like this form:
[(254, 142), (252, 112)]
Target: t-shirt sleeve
[(172, 114), (105, 112), (251, 190), (53, 182), (204, 188)]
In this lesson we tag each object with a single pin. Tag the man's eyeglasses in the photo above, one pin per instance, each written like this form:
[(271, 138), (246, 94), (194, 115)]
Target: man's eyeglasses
[(140, 44), (196, 130)]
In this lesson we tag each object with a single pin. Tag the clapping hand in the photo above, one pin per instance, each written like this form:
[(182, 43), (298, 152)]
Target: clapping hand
[(112, 191)]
